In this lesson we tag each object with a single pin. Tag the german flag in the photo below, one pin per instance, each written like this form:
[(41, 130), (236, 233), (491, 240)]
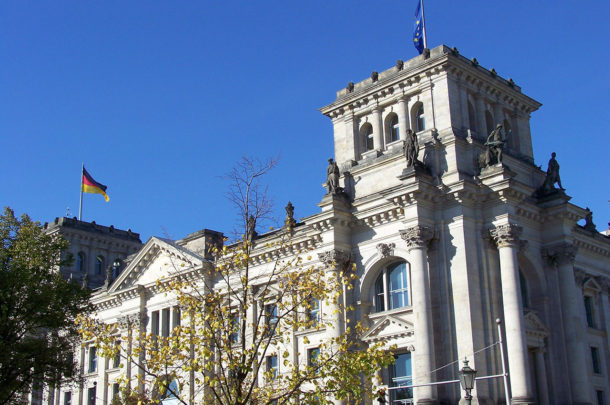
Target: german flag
[(88, 185)]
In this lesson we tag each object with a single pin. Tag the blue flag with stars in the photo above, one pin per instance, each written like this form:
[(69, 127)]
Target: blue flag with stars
[(418, 29)]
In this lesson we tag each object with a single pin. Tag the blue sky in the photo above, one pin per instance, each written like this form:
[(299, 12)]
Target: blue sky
[(159, 99)]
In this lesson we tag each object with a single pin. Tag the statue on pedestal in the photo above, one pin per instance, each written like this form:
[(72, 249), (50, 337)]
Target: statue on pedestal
[(411, 148), (495, 145), (552, 177), (332, 178)]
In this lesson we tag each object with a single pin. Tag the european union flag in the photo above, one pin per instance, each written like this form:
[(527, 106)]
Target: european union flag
[(418, 29)]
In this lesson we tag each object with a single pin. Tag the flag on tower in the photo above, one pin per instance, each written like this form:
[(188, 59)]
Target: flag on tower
[(89, 185), (419, 29)]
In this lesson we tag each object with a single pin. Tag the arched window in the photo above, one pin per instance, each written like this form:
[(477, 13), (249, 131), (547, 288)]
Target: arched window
[(471, 116), (99, 264), (392, 287), (524, 293), (366, 137), (80, 262), (116, 268), (392, 128), (420, 118), (489, 122)]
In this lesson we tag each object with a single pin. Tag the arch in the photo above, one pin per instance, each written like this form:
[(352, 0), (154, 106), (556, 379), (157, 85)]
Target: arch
[(489, 122), (418, 117), (386, 285), (366, 137), (392, 131), (99, 264), (81, 260), (532, 280)]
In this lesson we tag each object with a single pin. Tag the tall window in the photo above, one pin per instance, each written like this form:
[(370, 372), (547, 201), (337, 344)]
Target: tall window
[(524, 293), (91, 393), (116, 361), (589, 311), (392, 287), (312, 356), (165, 322), (595, 360), (92, 359), (271, 319), (420, 119), (272, 366), (154, 323), (115, 391), (366, 134), (400, 375), (116, 269), (313, 312), (99, 264), (80, 262), (68, 398), (235, 328), (393, 128)]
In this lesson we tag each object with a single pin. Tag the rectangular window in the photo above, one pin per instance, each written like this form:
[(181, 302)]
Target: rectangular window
[(91, 396), (272, 366), (595, 360), (165, 322), (235, 328), (115, 391), (154, 323), (271, 319), (589, 311), (600, 397), (116, 361), (92, 359), (68, 398), (400, 375), (312, 356), (313, 314), (175, 317)]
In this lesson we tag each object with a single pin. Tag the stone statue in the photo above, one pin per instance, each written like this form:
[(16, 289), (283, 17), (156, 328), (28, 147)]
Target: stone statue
[(250, 231), (589, 225), (108, 278), (411, 148), (332, 178), (552, 177), (495, 144), (290, 221)]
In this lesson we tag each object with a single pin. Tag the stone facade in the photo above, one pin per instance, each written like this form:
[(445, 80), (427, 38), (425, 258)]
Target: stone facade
[(441, 252)]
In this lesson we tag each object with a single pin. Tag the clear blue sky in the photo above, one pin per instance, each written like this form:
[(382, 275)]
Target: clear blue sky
[(159, 99)]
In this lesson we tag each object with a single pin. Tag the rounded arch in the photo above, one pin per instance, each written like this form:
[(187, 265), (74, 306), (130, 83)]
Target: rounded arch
[(532, 282), (391, 126), (418, 117), (373, 268), (366, 137)]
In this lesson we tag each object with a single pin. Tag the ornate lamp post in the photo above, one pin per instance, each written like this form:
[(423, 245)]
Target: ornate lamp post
[(467, 376)]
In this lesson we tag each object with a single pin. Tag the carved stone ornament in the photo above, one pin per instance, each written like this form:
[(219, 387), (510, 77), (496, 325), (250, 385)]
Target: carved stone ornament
[(580, 277), (129, 321), (506, 235), (417, 236), (561, 254), (335, 257), (386, 249)]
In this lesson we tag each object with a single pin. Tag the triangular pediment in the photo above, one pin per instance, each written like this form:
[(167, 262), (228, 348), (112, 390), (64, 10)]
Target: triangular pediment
[(533, 325), (157, 259), (388, 327)]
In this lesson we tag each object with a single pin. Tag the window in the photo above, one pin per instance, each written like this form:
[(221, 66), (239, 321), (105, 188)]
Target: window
[(400, 375), (589, 311), (170, 393), (392, 287), (489, 122), (175, 317), (154, 323), (366, 136), (92, 359), (165, 322), (313, 312), (393, 128), (235, 329), (524, 294), (68, 398), (99, 264), (420, 119), (272, 366), (80, 262), (116, 269), (271, 319), (116, 361), (595, 360), (91, 396), (115, 391), (600, 397), (312, 356)]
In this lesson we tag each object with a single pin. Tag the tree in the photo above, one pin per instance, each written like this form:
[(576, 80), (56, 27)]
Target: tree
[(243, 318), (38, 309)]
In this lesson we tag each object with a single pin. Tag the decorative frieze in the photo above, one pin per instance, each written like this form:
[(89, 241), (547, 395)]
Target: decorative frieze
[(386, 249), (335, 257), (561, 254), (417, 236), (506, 235)]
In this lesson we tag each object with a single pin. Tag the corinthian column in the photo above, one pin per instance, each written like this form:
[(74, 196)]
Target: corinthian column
[(561, 258), (507, 240), (417, 239)]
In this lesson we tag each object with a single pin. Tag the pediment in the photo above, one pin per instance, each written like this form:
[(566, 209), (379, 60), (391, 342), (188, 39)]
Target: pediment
[(535, 326), (158, 258), (388, 327)]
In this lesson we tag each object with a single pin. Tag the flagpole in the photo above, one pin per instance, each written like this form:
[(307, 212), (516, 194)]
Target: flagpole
[(423, 17), (80, 204)]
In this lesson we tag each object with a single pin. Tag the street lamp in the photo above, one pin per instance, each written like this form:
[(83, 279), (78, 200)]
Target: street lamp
[(467, 376)]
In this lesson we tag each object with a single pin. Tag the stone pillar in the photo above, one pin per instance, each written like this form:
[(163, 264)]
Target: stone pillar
[(561, 258), (377, 129), (417, 239), (336, 262), (403, 117), (507, 240), (351, 137), (543, 389)]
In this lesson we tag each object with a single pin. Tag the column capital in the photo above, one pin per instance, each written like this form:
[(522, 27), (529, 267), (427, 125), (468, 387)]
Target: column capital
[(417, 236), (563, 253), (129, 321), (335, 258), (386, 249), (506, 235)]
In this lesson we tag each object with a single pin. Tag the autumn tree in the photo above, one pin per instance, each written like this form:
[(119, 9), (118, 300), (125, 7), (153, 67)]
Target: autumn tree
[(244, 318), (37, 309)]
